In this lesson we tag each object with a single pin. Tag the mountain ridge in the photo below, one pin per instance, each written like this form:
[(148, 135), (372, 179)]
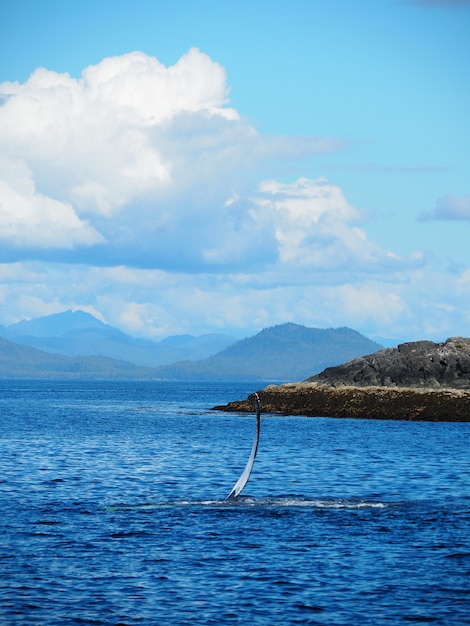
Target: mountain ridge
[(276, 353), (20, 361), (286, 352), (77, 333)]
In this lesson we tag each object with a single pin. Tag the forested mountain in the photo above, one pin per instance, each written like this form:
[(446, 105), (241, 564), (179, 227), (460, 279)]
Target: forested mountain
[(287, 352)]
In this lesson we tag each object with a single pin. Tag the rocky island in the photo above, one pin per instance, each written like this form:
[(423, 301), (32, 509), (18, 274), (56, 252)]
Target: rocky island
[(419, 380)]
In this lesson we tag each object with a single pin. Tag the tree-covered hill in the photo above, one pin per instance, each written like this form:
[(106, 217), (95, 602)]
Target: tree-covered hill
[(288, 352)]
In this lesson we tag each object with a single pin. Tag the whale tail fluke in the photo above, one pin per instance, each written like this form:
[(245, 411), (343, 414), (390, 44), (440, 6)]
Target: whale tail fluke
[(241, 482)]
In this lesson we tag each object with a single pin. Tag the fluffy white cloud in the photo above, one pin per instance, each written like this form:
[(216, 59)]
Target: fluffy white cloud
[(29, 219), (317, 229), (138, 156)]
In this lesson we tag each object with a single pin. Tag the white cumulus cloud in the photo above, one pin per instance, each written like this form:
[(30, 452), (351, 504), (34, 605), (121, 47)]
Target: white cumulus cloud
[(29, 219), (315, 226), (142, 157)]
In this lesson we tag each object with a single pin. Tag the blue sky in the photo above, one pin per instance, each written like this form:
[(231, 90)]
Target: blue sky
[(200, 166)]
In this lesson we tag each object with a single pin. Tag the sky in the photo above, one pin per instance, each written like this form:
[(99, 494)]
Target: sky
[(201, 166)]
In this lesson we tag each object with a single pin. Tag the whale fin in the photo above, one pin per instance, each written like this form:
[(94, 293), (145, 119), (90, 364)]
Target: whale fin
[(241, 482)]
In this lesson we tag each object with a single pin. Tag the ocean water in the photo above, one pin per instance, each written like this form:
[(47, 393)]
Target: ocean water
[(112, 512)]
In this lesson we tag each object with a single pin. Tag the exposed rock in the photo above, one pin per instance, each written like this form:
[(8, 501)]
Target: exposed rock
[(414, 364), (399, 403), (420, 380)]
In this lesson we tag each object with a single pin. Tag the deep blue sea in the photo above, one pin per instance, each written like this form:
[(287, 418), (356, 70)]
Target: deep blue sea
[(112, 512)]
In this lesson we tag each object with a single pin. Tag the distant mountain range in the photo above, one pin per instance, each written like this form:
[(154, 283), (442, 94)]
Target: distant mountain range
[(77, 345), (76, 333), (18, 361)]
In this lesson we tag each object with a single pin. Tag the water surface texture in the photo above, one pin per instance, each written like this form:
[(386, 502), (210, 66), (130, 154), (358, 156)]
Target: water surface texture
[(113, 511)]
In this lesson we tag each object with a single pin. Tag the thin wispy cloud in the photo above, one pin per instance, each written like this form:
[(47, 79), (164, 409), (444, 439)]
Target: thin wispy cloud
[(450, 207)]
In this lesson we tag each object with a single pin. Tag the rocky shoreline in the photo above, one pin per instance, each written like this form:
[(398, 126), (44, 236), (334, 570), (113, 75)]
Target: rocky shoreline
[(416, 381), (398, 403)]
